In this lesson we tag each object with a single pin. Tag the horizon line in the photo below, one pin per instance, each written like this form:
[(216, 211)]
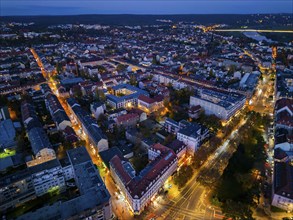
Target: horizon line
[(27, 15)]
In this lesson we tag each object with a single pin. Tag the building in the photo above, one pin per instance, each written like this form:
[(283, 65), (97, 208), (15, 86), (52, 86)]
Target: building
[(223, 105), (16, 188), (172, 126), (127, 121), (97, 109), (283, 186), (192, 136), (57, 112), (114, 113), (69, 82), (90, 185), (47, 176), (142, 115), (4, 113), (150, 105), (30, 183), (28, 113), (284, 115), (178, 147), (37, 136), (89, 126), (70, 135), (139, 189), (7, 134), (194, 111), (125, 96), (94, 199)]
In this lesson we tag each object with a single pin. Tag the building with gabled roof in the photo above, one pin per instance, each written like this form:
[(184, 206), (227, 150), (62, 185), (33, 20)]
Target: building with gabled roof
[(283, 186), (140, 188), (284, 114), (89, 126), (192, 136)]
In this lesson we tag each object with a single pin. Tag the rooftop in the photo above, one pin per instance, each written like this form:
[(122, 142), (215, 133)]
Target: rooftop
[(137, 185), (78, 155), (283, 179)]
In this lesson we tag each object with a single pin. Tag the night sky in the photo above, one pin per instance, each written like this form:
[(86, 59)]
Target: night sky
[(69, 7)]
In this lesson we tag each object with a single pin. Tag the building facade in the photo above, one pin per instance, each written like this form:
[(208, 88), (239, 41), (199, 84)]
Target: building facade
[(125, 96), (140, 189), (89, 126), (223, 105)]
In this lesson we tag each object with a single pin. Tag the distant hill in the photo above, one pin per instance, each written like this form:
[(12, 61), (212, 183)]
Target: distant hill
[(134, 19)]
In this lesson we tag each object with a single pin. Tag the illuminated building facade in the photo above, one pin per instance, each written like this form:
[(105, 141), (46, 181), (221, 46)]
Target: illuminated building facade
[(125, 96), (140, 189)]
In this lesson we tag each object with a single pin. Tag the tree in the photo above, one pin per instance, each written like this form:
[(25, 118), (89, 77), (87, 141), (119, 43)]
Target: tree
[(120, 67), (102, 69), (80, 143), (132, 80), (169, 139), (231, 69), (3, 100), (183, 175), (211, 73), (237, 210), (100, 95), (58, 67)]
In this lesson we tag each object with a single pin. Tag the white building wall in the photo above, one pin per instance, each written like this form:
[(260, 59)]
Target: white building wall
[(138, 204), (210, 108), (63, 125), (282, 202), (48, 179)]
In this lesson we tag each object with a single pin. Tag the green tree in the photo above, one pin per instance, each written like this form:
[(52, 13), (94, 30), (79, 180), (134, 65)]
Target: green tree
[(211, 73), (58, 67), (133, 80), (237, 210), (100, 95), (120, 67), (231, 69)]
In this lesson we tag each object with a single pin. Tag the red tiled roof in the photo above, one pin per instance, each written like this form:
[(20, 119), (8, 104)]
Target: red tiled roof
[(136, 111), (159, 98), (99, 84), (281, 103), (116, 162), (146, 99), (159, 147), (285, 118), (127, 117), (137, 185)]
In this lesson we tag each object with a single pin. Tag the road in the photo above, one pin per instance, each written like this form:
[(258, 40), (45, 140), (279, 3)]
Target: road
[(191, 203), (118, 204), (263, 99)]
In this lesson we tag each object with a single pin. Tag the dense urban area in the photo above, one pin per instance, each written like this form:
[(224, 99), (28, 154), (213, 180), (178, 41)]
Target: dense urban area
[(158, 119)]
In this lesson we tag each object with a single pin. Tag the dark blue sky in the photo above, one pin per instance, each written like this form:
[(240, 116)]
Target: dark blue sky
[(68, 7)]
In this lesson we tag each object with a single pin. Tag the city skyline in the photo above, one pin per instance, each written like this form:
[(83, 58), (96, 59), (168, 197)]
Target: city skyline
[(69, 7), (146, 109)]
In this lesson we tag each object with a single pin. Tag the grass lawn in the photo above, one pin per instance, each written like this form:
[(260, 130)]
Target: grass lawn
[(7, 153), (276, 209)]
